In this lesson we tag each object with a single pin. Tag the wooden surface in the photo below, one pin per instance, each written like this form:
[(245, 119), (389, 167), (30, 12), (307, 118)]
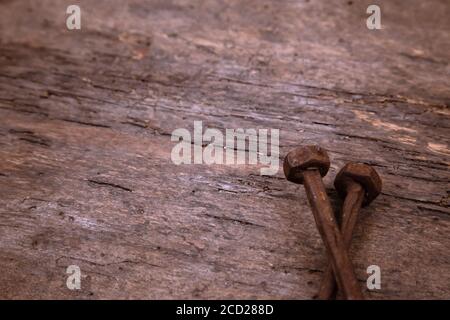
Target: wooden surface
[(85, 122)]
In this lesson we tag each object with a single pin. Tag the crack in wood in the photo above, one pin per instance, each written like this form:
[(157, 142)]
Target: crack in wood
[(108, 184)]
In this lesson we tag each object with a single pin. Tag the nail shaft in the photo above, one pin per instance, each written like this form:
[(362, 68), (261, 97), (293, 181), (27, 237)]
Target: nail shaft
[(331, 235), (350, 209)]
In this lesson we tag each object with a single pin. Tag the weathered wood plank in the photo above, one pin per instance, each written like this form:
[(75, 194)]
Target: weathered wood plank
[(85, 124)]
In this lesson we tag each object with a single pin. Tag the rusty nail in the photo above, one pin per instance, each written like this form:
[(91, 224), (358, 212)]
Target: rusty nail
[(358, 184), (307, 165)]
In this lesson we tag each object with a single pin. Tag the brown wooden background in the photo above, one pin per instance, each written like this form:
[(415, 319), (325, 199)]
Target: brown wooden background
[(85, 124)]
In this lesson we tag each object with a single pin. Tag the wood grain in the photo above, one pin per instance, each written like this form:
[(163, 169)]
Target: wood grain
[(86, 117)]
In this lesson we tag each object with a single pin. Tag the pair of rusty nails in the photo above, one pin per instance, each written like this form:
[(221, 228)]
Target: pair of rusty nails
[(358, 184)]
